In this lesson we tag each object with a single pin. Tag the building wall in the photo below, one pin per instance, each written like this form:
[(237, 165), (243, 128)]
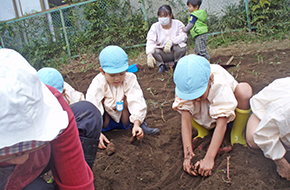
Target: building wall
[(6, 10), (11, 9)]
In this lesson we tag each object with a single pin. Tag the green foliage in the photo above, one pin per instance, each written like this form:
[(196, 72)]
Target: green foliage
[(270, 17), (32, 38), (232, 17), (112, 22), (91, 27)]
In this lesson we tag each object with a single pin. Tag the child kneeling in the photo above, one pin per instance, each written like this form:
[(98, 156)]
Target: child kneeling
[(117, 94), (208, 97)]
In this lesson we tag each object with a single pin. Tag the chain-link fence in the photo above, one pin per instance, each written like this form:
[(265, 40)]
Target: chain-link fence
[(67, 30)]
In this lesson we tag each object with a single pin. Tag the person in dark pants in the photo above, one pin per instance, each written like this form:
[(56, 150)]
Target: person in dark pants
[(89, 122)]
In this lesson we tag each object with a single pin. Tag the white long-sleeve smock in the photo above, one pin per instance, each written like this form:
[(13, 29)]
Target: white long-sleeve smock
[(272, 106), (105, 96), (157, 36), (71, 95), (221, 101)]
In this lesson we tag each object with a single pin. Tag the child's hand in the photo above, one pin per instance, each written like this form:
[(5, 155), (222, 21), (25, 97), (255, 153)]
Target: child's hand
[(138, 132), (204, 167), (188, 166), (103, 139), (283, 168)]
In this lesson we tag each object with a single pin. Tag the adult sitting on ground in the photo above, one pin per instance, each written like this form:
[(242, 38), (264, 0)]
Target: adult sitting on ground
[(165, 40), (268, 126), (38, 130)]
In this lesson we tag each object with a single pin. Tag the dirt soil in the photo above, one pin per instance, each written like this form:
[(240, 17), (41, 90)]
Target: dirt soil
[(155, 162)]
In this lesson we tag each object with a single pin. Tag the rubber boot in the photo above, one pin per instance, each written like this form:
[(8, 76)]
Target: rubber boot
[(202, 132), (239, 125), (90, 147), (149, 131)]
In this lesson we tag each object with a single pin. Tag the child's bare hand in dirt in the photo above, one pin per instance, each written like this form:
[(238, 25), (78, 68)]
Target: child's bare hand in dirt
[(283, 168), (188, 166), (103, 139), (204, 167), (138, 132)]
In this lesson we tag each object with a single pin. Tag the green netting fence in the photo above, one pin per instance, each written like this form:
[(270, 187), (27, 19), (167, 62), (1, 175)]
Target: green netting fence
[(91, 25)]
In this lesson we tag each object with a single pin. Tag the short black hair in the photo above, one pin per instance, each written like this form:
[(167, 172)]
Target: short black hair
[(194, 2)]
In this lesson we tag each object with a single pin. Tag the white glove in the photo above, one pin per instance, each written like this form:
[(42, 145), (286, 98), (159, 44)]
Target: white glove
[(150, 60), (167, 47)]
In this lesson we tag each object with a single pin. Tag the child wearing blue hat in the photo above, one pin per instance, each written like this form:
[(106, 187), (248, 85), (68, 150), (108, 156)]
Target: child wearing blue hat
[(88, 117), (52, 77), (118, 96), (208, 97)]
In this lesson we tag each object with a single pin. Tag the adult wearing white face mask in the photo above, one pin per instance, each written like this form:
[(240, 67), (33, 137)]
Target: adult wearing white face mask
[(165, 40)]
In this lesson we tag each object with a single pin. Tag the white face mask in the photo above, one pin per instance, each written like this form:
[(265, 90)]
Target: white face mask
[(164, 20)]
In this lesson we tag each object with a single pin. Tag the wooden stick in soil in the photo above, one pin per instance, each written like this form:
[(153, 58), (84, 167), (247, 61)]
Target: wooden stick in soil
[(228, 167), (230, 60), (162, 115)]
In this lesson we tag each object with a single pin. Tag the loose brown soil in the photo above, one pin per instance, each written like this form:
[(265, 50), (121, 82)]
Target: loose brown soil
[(155, 162)]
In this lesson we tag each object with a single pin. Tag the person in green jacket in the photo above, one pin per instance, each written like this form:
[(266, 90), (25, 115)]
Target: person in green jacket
[(197, 27)]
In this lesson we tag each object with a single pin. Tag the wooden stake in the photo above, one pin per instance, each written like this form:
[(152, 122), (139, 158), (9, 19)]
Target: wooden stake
[(228, 167), (230, 60)]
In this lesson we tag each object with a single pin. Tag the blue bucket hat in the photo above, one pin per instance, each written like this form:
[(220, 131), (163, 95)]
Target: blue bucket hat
[(113, 59), (51, 77), (191, 77)]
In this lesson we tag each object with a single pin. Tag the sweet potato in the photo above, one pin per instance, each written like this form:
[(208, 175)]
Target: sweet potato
[(110, 149)]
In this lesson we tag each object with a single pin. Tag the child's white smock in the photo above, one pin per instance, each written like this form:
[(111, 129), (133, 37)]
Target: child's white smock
[(105, 96), (71, 95), (221, 101), (157, 36), (272, 106)]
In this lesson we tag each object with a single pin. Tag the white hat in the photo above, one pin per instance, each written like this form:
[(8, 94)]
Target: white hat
[(28, 111)]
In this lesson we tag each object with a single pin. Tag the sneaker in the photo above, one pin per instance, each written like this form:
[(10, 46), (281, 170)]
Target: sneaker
[(149, 131), (162, 68)]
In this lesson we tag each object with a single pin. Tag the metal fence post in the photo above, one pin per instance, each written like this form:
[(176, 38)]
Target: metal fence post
[(144, 13), (2, 42), (64, 31), (247, 14)]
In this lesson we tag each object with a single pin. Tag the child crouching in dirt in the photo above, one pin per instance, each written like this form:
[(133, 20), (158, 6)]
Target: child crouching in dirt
[(208, 97), (88, 117), (268, 126), (51, 76), (117, 94)]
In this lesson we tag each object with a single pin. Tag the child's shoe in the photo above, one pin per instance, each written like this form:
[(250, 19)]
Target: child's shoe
[(149, 131)]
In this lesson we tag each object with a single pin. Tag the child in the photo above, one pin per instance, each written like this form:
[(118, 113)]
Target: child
[(210, 96), (53, 77), (197, 27), (118, 96), (88, 117), (268, 126)]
